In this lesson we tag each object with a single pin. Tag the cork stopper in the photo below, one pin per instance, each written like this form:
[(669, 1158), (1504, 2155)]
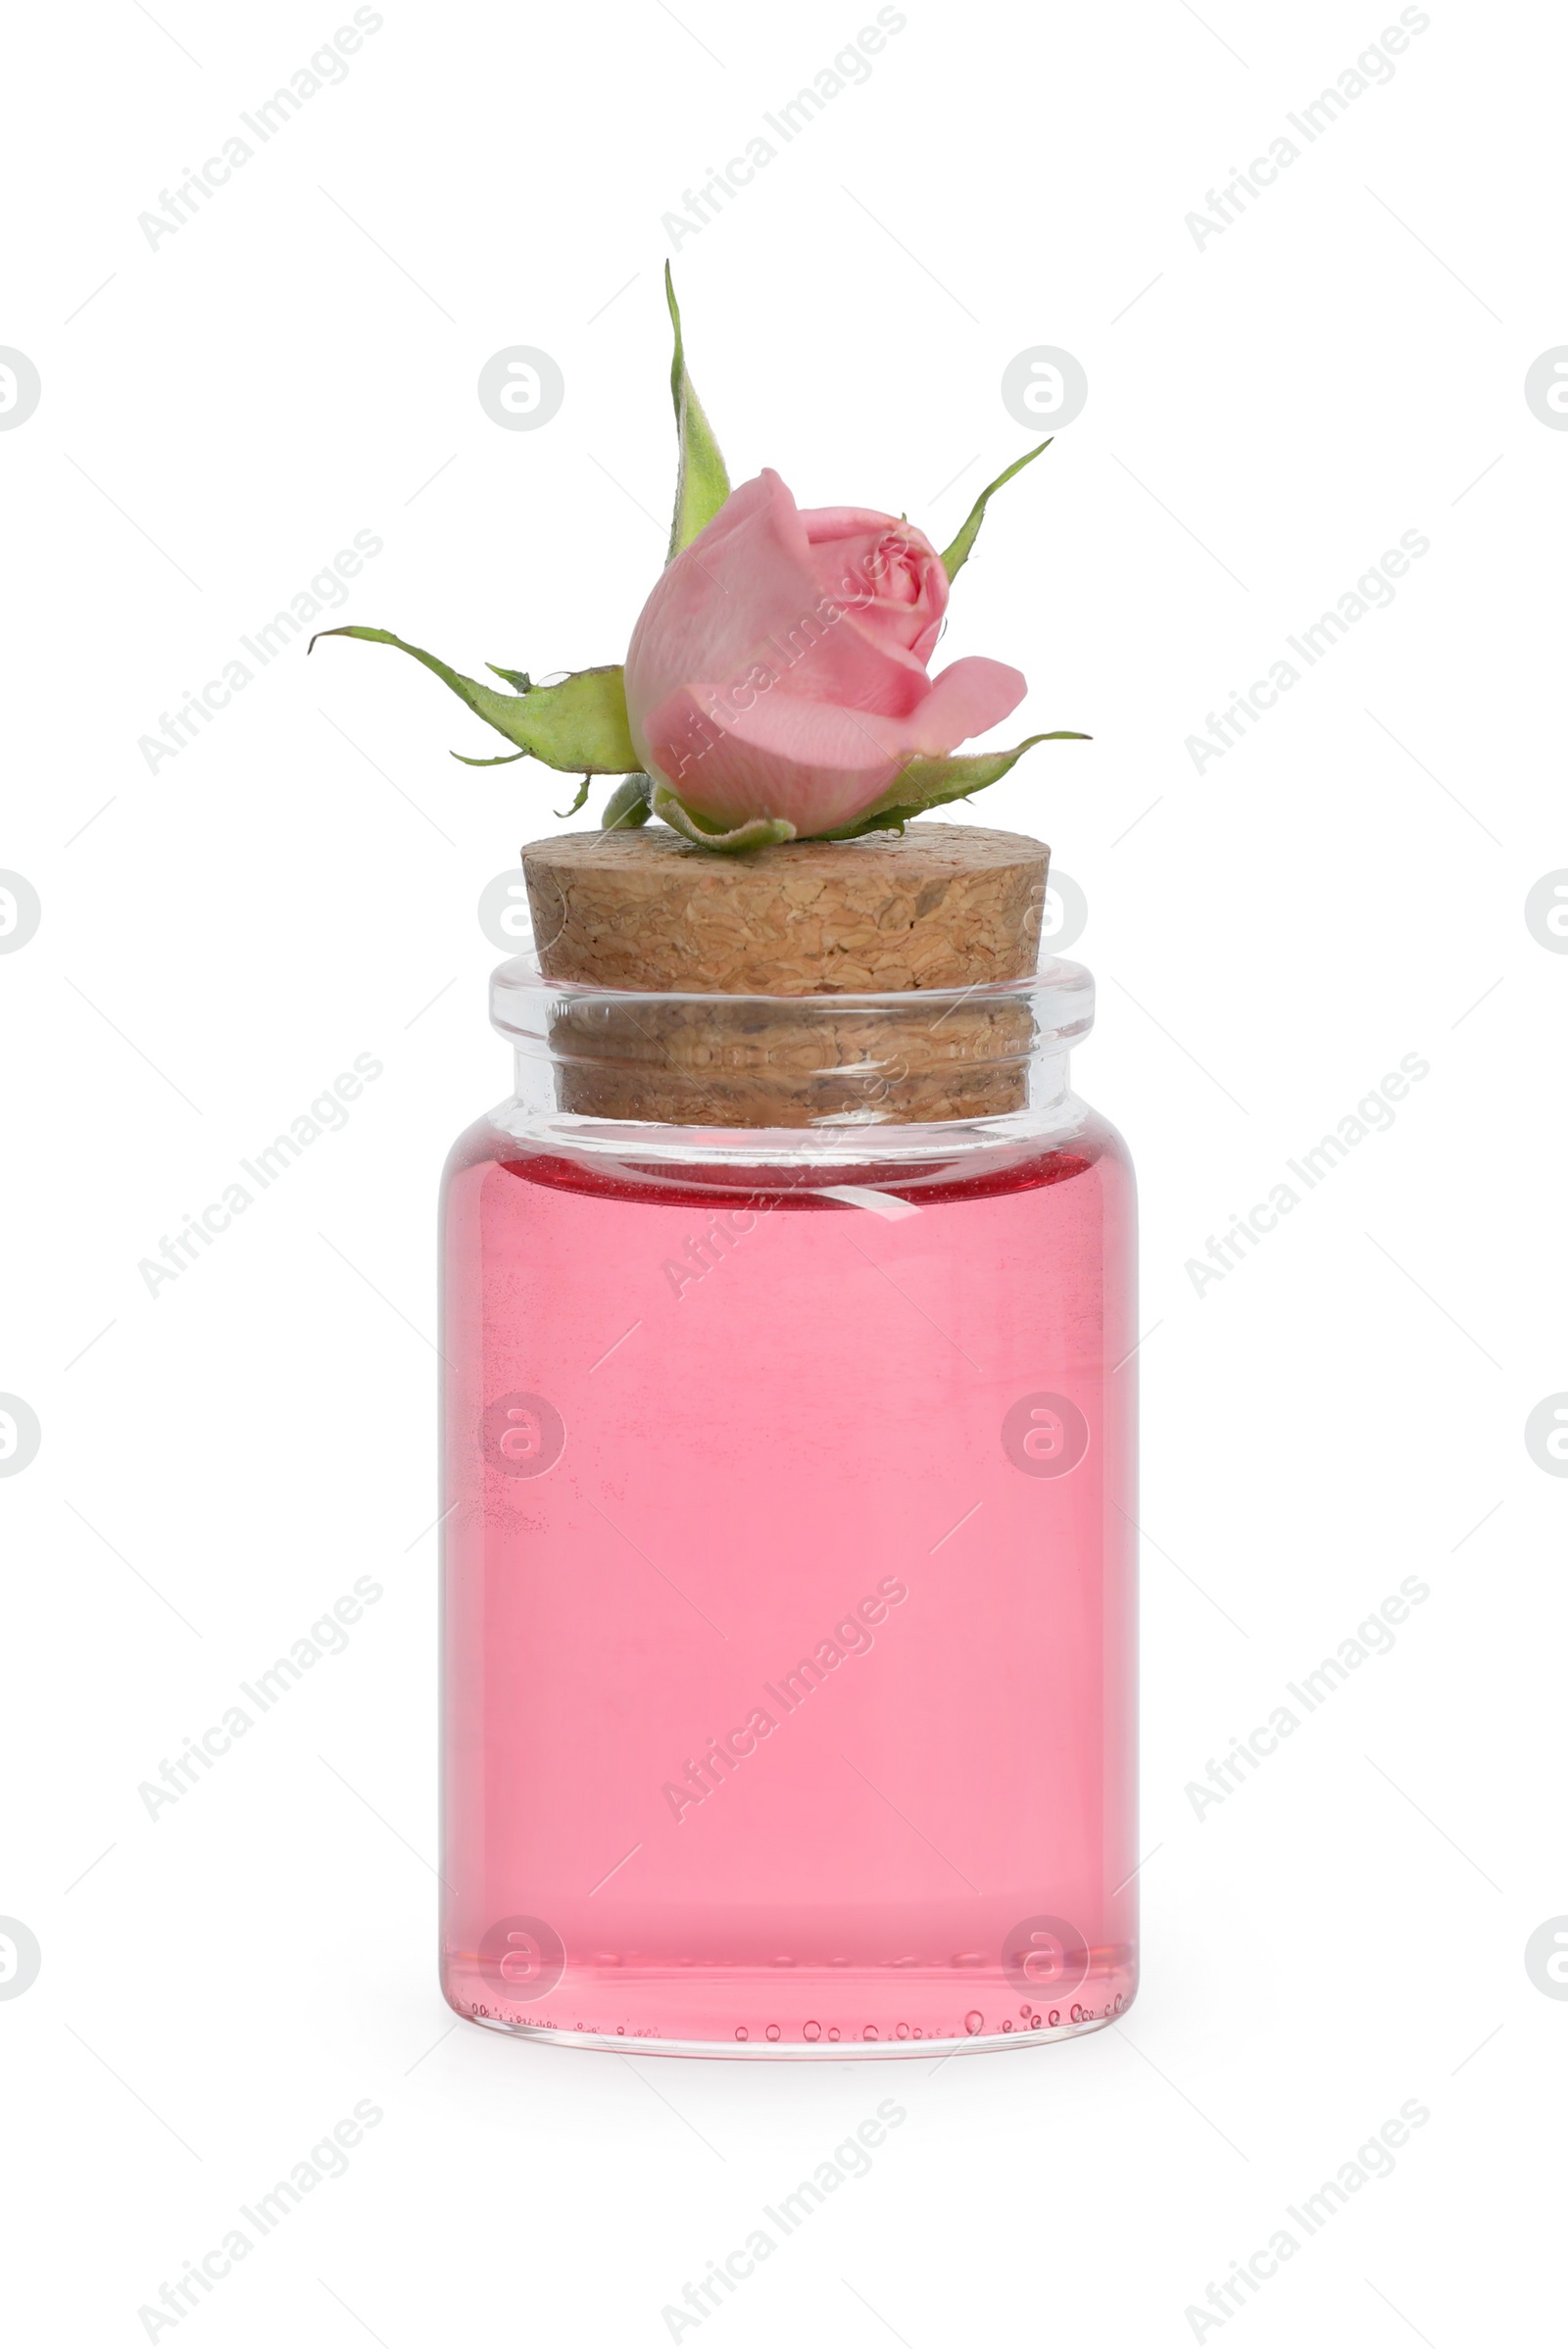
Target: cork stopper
[(937, 906), (939, 909)]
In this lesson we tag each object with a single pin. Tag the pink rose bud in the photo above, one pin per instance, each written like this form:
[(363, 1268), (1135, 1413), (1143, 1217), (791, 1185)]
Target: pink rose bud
[(779, 666)]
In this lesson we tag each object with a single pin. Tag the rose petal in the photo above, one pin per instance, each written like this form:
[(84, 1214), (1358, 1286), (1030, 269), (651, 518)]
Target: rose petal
[(743, 597), (818, 763), (968, 697)]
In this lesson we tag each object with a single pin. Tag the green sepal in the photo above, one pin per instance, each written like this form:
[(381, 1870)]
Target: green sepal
[(505, 758), (762, 832), (929, 782), (701, 484), (627, 806), (578, 726), (579, 801), (517, 679), (958, 554)]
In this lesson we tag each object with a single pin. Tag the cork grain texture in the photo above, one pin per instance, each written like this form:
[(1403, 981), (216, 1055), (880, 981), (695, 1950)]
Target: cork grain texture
[(938, 906)]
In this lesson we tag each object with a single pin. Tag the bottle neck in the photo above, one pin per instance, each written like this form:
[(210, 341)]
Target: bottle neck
[(849, 1066)]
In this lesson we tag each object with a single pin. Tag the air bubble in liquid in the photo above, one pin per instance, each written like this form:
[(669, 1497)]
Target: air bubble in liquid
[(741, 2031), (973, 2020), (871, 2032), (772, 2030), (813, 2031), (904, 2030)]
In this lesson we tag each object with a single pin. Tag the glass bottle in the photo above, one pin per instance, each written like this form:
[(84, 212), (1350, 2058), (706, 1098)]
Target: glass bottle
[(789, 1575)]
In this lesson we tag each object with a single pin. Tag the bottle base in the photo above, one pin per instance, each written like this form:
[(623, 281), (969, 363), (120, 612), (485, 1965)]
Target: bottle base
[(836, 2049)]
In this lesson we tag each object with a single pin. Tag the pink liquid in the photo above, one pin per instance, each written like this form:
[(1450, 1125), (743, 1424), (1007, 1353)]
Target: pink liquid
[(817, 1440)]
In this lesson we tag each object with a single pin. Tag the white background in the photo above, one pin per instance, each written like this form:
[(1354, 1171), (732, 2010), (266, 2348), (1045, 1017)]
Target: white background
[(1267, 413)]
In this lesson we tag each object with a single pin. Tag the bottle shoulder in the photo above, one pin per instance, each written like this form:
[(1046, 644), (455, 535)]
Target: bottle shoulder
[(924, 1164), (484, 1142)]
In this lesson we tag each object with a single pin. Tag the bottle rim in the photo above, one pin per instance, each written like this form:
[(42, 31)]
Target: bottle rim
[(527, 1007)]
